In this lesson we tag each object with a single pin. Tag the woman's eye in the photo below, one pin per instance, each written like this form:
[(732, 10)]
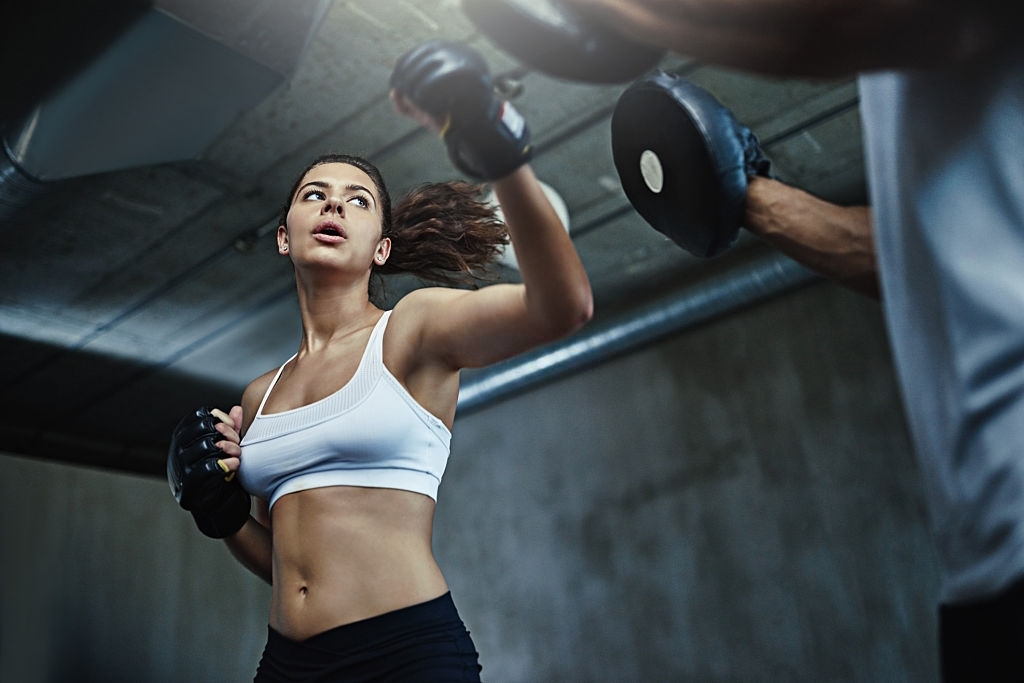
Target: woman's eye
[(361, 201), (314, 194)]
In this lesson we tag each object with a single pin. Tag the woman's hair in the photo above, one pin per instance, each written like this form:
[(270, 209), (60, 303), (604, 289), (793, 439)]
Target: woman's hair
[(441, 232)]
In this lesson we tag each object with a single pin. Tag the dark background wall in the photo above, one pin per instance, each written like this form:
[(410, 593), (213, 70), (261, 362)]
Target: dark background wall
[(737, 503)]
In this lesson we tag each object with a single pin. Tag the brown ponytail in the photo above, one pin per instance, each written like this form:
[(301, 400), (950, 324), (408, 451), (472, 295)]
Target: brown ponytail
[(444, 233)]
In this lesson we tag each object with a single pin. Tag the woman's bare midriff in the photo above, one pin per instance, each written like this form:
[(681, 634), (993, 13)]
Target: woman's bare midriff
[(343, 553)]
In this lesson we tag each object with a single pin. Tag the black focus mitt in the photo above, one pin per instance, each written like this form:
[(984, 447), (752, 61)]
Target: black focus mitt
[(684, 161)]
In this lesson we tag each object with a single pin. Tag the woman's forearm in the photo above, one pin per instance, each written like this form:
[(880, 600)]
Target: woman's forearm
[(557, 286), (252, 547)]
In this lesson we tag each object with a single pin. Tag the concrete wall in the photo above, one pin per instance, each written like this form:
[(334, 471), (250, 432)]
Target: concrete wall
[(738, 503), (101, 581)]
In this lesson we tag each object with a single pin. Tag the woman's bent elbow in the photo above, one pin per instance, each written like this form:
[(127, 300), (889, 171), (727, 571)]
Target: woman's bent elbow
[(585, 311), (578, 312)]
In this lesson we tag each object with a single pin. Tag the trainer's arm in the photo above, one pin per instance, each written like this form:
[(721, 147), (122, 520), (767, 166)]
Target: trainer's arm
[(811, 37), (835, 241)]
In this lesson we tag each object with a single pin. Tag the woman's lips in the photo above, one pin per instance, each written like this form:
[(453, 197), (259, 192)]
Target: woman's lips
[(329, 232)]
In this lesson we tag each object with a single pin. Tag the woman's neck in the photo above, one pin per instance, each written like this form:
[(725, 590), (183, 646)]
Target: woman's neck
[(330, 313)]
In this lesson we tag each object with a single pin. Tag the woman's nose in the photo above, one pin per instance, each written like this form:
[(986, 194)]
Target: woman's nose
[(332, 205)]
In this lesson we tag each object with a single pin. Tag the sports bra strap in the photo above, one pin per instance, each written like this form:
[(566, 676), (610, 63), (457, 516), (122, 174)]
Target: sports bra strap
[(266, 395)]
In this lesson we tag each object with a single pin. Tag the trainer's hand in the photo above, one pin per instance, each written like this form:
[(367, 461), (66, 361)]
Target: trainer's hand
[(201, 478)]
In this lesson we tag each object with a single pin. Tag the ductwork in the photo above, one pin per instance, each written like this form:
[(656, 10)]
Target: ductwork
[(17, 189), (162, 91), (766, 275)]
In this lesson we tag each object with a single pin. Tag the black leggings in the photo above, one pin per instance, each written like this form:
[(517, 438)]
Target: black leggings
[(426, 642), (984, 641)]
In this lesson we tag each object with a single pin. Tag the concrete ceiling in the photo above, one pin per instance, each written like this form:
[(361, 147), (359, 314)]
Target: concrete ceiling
[(129, 295)]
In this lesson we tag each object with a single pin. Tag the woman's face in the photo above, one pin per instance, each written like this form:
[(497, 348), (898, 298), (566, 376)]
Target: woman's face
[(335, 219)]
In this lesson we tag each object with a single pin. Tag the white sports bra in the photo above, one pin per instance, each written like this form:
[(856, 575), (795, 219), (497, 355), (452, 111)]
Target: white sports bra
[(371, 432)]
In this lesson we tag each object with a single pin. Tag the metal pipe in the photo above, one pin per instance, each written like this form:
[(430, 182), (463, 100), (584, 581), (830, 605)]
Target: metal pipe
[(766, 276)]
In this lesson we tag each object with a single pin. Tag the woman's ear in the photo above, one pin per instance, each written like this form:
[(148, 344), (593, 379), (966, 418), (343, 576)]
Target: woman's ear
[(383, 251), (282, 239)]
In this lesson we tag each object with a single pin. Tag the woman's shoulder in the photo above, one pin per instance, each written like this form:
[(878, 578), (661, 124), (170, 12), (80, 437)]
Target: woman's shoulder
[(253, 393), (422, 305), (260, 384), (409, 312), (414, 320), (425, 297)]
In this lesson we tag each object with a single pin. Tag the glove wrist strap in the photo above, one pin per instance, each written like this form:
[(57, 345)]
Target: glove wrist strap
[(490, 147)]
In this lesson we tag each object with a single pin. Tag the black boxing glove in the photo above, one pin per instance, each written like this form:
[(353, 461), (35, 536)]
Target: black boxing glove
[(199, 481), (485, 135)]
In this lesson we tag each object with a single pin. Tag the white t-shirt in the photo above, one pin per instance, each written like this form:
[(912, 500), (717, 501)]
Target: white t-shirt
[(945, 159)]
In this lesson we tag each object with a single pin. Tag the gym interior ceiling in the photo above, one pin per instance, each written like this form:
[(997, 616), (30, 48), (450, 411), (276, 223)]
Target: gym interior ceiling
[(147, 149)]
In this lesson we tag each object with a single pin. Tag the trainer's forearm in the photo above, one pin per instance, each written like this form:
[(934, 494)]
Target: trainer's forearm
[(808, 37), (835, 241), (252, 547)]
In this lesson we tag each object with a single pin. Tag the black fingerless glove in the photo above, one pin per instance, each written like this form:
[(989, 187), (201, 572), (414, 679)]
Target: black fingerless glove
[(217, 501)]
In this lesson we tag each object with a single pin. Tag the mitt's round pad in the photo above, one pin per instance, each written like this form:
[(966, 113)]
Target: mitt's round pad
[(680, 157)]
